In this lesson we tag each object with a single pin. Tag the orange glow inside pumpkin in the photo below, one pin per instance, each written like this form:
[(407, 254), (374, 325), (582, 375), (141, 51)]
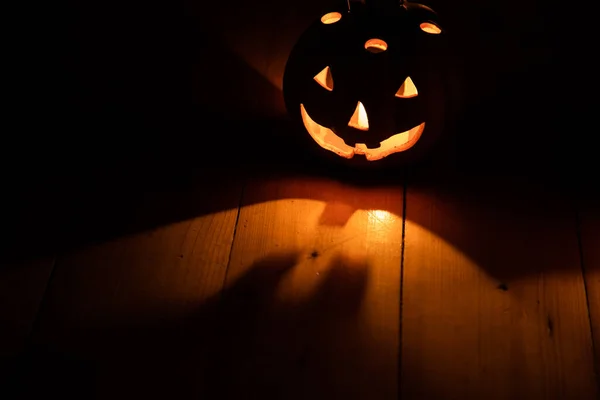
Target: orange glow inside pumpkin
[(324, 79), (359, 119), (376, 45), (430, 27), (396, 143), (407, 90), (328, 140), (331, 18)]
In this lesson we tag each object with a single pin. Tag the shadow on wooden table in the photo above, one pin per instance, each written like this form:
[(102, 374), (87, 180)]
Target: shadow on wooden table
[(145, 132), (239, 344), (175, 175)]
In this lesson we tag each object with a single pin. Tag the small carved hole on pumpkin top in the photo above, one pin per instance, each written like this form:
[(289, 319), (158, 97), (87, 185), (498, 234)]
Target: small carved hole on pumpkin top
[(407, 90), (430, 27), (325, 79), (331, 18), (376, 45)]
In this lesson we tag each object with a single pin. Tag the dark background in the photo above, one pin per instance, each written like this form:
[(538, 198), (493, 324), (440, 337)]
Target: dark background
[(118, 100)]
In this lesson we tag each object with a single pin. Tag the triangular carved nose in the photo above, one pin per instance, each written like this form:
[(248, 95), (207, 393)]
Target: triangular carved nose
[(359, 119)]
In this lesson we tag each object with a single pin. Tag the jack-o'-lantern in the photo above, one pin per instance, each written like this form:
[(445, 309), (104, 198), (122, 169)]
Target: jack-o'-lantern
[(366, 79)]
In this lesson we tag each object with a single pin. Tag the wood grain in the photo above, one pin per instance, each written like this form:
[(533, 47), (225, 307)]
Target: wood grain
[(493, 300), (319, 264), (132, 316), (589, 215)]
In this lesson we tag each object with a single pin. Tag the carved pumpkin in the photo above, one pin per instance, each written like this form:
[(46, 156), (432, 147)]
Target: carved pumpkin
[(366, 80)]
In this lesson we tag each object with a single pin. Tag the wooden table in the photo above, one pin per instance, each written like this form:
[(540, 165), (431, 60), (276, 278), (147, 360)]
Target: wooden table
[(147, 269), (288, 285)]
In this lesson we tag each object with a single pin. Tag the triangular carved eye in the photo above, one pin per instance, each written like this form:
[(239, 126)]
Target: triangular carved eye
[(324, 79), (407, 90)]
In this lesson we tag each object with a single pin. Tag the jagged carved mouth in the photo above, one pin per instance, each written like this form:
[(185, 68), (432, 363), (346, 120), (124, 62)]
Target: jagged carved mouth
[(328, 140)]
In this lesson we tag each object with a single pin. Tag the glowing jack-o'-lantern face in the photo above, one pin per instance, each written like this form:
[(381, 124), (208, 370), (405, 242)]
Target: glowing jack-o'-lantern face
[(359, 120), (365, 83)]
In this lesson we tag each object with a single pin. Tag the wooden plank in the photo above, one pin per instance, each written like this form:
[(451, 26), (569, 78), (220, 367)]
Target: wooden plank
[(315, 279), (493, 301), (22, 287), (589, 218), (128, 317)]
